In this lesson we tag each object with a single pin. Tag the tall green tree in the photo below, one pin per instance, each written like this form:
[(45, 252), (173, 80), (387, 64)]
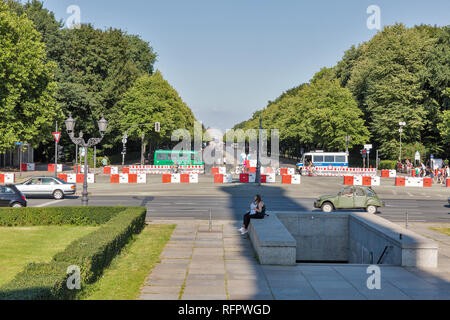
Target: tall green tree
[(386, 80), (152, 99), (96, 68), (444, 128), (27, 86), (320, 114)]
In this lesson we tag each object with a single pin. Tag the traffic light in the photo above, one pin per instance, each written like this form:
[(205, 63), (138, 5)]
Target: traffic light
[(364, 153), (157, 127), (60, 152)]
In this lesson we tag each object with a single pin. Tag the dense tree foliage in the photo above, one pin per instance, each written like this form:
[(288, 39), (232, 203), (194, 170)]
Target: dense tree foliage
[(152, 99), (320, 114), (400, 75), (27, 87), (93, 70)]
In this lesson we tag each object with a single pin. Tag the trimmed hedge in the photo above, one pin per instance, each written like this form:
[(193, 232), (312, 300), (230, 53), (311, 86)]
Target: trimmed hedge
[(92, 254), (78, 216)]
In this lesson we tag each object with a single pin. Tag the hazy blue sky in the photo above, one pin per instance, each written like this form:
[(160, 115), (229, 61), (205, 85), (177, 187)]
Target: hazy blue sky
[(227, 58)]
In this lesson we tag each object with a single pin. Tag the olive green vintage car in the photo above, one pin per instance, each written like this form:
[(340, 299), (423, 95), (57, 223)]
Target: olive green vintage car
[(351, 197)]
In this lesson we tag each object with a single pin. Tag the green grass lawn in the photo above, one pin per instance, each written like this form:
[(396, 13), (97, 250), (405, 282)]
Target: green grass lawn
[(128, 271), (22, 246), (442, 230)]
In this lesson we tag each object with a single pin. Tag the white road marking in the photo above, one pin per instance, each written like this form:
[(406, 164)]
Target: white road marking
[(46, 204)]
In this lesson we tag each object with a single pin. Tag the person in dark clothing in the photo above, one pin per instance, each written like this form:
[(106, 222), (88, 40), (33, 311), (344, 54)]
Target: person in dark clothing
[(257, 211)]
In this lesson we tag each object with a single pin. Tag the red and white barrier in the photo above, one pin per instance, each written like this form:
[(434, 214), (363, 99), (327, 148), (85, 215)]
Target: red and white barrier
[(286, 171), (51, 168), (219, 170), (291, 179), (192, 169), (268, 170), (362, 181), (80, 168), (28, 167), (338, 171), (7, 178), (251, 178), (180, 178), (223, 178), (110, 170), (413, 182), (388, 173), (125, 178), (269, 178), (77, 178)]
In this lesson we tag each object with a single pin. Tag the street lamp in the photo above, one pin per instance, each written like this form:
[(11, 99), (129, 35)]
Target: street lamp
[(401, 124), (70, 127)]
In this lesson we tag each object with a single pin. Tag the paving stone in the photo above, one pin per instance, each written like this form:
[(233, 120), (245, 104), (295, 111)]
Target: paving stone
[(301, 292), (251, 296), (165, 282), (204, 297), (213, 290), (161, 290), (289, 283), (247, 291), (205, 228), (176, 261), (171, 253), (208, 251), (159, 297), (206, 277), (327, 293), (166, 276), (209, 244), (207, 271), (244, 275), (204, 282)]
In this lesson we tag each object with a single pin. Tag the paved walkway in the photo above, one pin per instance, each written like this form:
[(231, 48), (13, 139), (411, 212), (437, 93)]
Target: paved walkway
[(201, 265)]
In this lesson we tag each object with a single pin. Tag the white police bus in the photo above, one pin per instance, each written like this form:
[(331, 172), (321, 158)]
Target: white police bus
[(324, 159)]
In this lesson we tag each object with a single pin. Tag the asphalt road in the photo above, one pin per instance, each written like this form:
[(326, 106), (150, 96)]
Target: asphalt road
[(233, 207)]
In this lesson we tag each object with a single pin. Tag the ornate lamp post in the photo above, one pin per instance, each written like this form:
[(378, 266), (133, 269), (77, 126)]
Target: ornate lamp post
[(70, 127)]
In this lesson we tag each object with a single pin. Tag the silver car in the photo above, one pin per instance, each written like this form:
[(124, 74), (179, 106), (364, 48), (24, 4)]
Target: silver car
[(47, 186)]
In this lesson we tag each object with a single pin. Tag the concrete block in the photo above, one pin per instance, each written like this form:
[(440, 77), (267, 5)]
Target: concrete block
[(272, 242)]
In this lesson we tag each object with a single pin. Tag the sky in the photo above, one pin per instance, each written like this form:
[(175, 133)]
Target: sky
[(228, 58)]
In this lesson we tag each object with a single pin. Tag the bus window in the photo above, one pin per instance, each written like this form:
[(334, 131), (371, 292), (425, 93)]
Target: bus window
[(307, 159), (340, 159), (162, 156), (329, 159), (318, 159), (192, 157)]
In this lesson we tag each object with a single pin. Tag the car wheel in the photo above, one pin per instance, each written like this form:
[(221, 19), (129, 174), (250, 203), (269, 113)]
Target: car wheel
[(371, 209), (17, 205), (327, 207), (58, 195)]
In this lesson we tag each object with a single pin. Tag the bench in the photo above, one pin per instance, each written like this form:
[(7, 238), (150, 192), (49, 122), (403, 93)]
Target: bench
[(272, 242)]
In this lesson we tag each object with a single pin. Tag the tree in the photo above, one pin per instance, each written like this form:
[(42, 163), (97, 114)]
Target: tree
[(386, 81), (320, 114), (444, 128), (44, 22), (96, 68), (330, 115), (27, 87), (150, 100)]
